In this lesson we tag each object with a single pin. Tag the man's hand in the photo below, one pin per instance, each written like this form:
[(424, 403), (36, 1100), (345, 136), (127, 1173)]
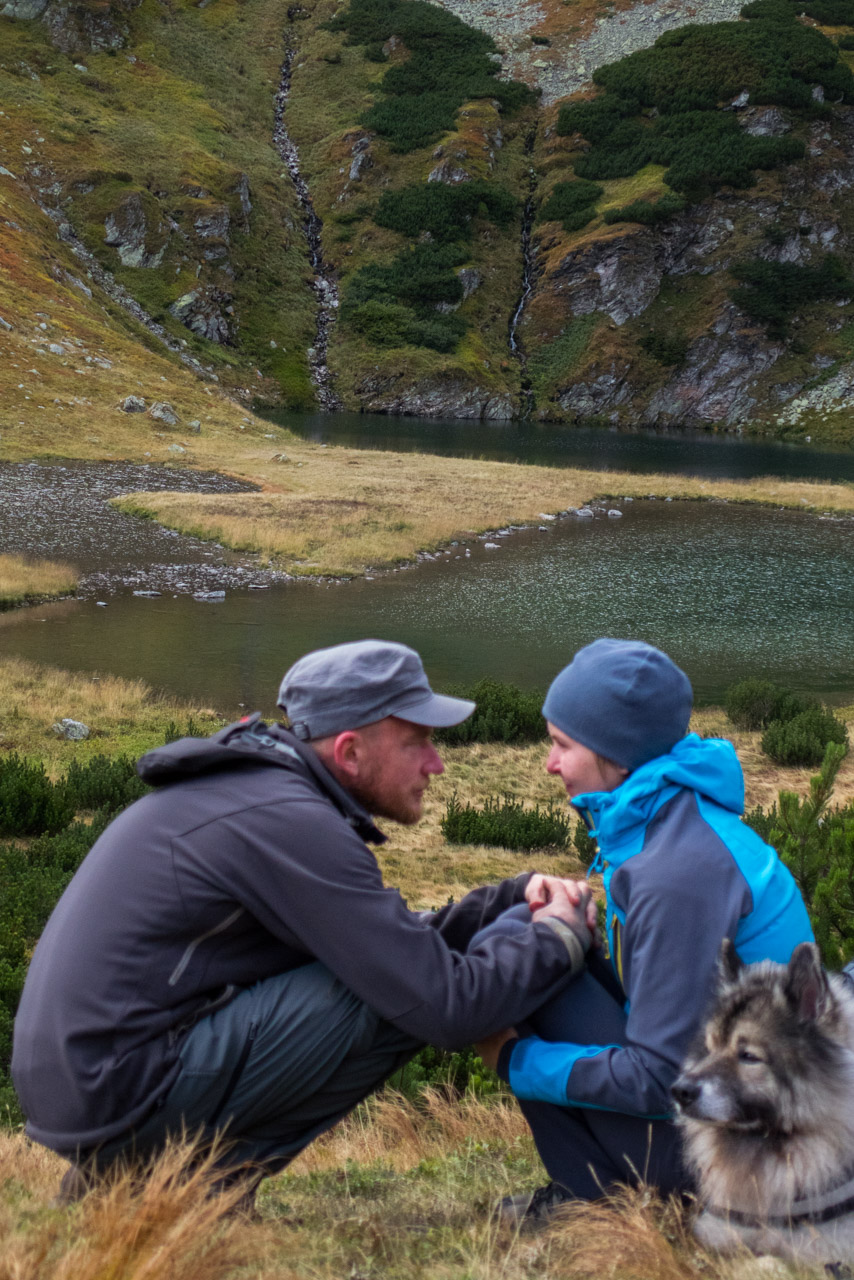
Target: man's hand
[(490, 1048), (541, 891)]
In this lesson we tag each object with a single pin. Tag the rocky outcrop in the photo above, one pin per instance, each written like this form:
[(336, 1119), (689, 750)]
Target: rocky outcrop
[(438, 397), (128, 231), (208, 313), (83, 28)]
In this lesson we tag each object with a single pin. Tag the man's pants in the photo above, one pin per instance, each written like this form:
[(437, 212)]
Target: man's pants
[(280, 1064), (586, 1150)]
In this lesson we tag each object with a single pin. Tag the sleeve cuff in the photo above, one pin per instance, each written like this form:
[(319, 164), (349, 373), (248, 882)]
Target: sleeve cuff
[(504, 1056), (570, 940)]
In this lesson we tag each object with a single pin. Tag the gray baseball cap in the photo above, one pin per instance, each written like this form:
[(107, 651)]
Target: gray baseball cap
[(351, 685)]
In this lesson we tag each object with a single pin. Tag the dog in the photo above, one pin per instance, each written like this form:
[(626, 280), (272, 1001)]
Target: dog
[(765, 1104)]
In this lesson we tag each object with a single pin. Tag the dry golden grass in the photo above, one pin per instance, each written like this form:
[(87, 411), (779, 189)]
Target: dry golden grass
[(23, 579), (124, 715), (339, 511), (164, 1224)]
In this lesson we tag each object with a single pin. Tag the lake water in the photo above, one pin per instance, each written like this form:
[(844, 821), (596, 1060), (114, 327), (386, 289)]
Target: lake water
[(728, 591), (693, 453)]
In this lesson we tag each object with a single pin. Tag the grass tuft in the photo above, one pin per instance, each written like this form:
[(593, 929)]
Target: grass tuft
[(24, 580)]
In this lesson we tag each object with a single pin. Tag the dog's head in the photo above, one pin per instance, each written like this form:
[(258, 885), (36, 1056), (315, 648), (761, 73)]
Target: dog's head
[(771, 1056)]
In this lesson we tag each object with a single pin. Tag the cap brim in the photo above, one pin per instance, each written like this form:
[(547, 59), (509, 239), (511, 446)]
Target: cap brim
[(439, 711)]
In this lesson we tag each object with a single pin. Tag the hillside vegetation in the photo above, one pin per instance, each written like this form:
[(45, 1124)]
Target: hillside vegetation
[(692, 221)]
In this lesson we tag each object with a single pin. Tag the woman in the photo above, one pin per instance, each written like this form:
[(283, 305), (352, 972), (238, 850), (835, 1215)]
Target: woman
[(593, 1069)]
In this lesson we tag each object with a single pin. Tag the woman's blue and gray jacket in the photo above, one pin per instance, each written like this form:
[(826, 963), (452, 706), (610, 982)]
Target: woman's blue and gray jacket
[(681, 872)]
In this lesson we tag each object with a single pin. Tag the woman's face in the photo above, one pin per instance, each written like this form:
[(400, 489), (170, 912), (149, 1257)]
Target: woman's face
[(580, 768)]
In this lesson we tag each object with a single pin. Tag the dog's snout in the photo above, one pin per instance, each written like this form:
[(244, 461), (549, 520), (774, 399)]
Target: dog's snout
[(685, 1091)]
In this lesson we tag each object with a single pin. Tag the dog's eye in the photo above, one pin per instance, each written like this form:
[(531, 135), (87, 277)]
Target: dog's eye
[(745, 1055)]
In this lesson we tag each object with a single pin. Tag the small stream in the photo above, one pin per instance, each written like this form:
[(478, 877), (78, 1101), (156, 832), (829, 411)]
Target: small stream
[(528, 403), (324, 284)]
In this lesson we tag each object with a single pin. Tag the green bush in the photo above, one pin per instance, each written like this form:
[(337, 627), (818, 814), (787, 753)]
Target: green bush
[(395, 303), (448, 64), (817, 845), (446, 212), (753, 704), (846, 42), (103, 784), (804, 739), (454, 1073), (507, 824), (770, 292), (503, 713), (647, 212), (585, 845), (571, 203), (662, 105), (667, 348), (30, 804)]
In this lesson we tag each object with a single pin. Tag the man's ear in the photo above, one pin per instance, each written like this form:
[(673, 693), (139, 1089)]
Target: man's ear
[(346, 754)]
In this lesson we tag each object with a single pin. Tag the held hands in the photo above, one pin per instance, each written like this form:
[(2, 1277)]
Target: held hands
[(568, 900)]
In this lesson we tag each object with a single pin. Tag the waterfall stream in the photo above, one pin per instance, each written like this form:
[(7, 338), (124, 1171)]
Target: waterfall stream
[(528, 274), (324, 284)]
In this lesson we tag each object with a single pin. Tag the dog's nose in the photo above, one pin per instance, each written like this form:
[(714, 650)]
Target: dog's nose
[(685, 1091)]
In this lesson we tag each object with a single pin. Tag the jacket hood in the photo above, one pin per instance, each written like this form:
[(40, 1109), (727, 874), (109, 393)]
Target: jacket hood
[(708, 766), (245, 743)]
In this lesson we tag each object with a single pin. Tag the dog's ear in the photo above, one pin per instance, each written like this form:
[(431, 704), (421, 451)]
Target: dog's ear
[(806, 986), (730, 963)]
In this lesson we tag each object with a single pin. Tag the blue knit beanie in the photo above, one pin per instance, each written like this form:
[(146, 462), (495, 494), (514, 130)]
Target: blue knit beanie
[(623, 699)]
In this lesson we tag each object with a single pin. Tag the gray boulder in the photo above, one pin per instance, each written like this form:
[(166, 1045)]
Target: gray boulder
[(132, 404), (127, 231), (73, 730), (162, 411), (206, 312)]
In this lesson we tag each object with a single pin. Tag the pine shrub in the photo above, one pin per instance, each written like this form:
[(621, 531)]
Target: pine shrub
[(30, 803), (102, 783), (803, 739), (507, 824), (662, 105), (770, 292), (666, 348), (448, 64), (503, 713), (754, 703), (646, 211), (571, 203), (816, 843), (446, 212)]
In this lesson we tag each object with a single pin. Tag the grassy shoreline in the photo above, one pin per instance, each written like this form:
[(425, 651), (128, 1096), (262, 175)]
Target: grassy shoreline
[(329, 510), (25, 580)]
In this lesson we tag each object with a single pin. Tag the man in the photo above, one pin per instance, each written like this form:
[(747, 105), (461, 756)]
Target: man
[(227, 957)]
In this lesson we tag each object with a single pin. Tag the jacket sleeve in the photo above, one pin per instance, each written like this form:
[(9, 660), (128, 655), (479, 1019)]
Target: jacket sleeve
[(675, 922), (460, 921), (306, 875)]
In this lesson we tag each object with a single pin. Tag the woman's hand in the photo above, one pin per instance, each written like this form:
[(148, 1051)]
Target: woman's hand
[(541, 891), (490, 1048)]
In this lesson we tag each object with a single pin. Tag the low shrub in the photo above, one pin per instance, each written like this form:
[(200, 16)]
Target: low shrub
[(396, 303), (804, 738), (771, 292), (585, 845), (448, 64), (753, 704), (662, 105), (446, 212), (507, 824), (30, 804), (503, 713), (816, 842), (103, 784), (646, 211), (454, 1073), (667, 348), (571, 203)]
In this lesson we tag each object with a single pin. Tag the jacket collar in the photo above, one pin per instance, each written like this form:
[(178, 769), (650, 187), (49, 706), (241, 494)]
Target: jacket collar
[(251, 741)]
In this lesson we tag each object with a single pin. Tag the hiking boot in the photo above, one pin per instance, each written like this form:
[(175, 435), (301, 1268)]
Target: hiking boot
[(533, 1210), (76, 1183)]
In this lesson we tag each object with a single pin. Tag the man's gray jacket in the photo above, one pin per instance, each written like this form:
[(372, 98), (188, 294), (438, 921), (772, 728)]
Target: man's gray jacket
[(247, 860)]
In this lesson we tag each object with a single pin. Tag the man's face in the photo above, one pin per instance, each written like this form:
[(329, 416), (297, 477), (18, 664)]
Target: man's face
[(396, 759)]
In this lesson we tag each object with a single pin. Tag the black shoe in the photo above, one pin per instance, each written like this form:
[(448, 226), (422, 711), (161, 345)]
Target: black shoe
[(533, 1210)]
